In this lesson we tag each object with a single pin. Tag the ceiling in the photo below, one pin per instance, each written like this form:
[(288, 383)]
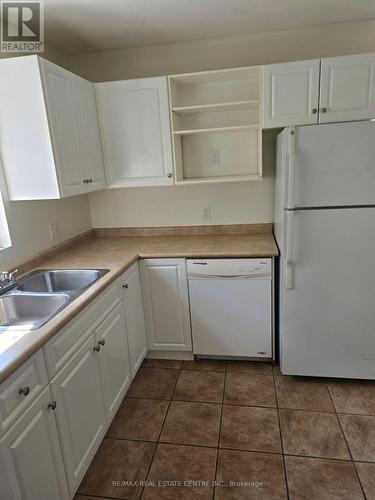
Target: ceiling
[(76, 26)]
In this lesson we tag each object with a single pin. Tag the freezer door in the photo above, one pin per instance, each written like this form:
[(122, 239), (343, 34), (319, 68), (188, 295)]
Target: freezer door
[(331, 165), (328, 305)]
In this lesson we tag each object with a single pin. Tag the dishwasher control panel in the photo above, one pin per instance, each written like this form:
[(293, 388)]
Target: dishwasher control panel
[(229, 267)]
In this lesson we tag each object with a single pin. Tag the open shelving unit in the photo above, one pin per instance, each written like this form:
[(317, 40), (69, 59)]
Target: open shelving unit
[(216, 125)]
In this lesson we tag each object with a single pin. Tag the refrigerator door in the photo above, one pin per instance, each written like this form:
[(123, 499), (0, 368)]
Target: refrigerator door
[(328, 293), (330, 165)]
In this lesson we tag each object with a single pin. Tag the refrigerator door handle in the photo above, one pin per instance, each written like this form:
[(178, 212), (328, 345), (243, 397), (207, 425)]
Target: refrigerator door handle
[(291, 166), (289, 254)]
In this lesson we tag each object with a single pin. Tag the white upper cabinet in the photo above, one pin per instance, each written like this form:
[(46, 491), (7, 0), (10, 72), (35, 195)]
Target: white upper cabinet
[(166, 301), (335, 89), (135, 128), (92, 165), (291, 93), (216, 125), (347, 88), (62, 118), (49, 133)]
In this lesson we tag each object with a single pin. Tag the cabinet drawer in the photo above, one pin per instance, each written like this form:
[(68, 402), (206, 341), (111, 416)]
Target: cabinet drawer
[(60, 348), (31, 378)]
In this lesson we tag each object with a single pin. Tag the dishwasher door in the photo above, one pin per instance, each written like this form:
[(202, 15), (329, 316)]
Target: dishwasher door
[(231, 316)]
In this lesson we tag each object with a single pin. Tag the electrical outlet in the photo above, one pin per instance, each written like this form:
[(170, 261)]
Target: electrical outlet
[(214, 157), (206, 212), (54, 231)]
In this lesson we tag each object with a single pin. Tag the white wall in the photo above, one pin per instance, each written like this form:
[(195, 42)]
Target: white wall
[(231, 203), (51, 53), (28, 224), (227, 52), (249, 202), (28, 220)]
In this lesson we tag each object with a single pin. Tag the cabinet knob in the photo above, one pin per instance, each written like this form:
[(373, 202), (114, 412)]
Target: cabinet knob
[(85, 181), (24, 390), (125, 285), (90, 180), (324, 110), (169, 175), (101, 342), (314, 111), (52, 405), (96, 348)]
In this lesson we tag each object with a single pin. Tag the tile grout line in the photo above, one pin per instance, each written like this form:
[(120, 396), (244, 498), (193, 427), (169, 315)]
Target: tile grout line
[(161, 430), (210, 402), (347, 444), (281, 436), (219, 435), (247, 450)]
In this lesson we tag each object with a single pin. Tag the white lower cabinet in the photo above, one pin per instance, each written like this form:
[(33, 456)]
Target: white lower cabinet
[(88, 392), (113, 360), (53, 420), (166, 302), (131, 289), (31, 464), (79, 411)]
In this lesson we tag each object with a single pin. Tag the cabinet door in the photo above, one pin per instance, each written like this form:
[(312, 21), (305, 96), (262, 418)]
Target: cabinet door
[(113, 360), (291, 93), (134, 119), (93, 167), (134, 317), (62, 117), (165, 288), (31, 464), (79, 411), (347, 88)]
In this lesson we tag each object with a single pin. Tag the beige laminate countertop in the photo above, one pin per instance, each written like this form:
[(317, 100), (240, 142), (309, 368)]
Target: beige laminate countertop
[(117, 254)]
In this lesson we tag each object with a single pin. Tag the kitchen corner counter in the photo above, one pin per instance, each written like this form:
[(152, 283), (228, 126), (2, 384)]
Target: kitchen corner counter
[(117, 254)]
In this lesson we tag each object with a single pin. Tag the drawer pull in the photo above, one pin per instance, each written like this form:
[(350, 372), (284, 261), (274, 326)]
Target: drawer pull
[(125, 285), (96, 348), (52, 405), (24, 390), (101, 342)]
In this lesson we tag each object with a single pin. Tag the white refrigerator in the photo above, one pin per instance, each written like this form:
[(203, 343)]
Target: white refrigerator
[(325, 229)]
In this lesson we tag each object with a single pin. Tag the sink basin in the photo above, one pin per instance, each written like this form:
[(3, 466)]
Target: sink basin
[(39, 296), (29, 311), (60, 280)]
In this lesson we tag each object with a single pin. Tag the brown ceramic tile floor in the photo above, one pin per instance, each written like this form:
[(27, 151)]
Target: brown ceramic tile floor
[(236, 430)]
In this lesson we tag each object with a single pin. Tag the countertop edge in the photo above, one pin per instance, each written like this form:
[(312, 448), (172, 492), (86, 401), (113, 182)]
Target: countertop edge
[(89, 295)]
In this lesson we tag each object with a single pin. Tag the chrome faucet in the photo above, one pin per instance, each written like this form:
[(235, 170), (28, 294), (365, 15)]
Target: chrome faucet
[(7, 278)]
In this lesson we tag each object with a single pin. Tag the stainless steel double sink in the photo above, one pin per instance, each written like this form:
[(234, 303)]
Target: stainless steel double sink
[(36, 298)]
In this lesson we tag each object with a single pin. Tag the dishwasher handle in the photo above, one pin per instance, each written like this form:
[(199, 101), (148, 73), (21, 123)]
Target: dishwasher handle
[(232, 277)]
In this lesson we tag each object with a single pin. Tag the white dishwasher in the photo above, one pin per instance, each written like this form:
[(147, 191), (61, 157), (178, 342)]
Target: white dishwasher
[(231, 307)]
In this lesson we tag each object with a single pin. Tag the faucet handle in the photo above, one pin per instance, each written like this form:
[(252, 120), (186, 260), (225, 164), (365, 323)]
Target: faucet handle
[(4, 275), (7, 277), (11, 275)]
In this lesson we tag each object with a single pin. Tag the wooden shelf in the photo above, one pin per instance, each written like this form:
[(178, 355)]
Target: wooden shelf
[(215, 129), (221, 75), (216, 114), (220, 106)]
